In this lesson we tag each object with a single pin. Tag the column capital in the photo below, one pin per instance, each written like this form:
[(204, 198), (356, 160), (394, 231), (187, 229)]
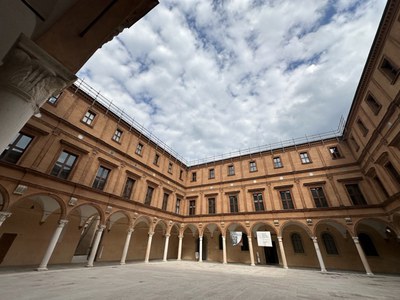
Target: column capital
[(32, 73), (167, 235), (314, 238), (101, 227), (62, 222), (279, 238), (180, 236), (130, 230), (355, 239), (151, 233), (4, 215)]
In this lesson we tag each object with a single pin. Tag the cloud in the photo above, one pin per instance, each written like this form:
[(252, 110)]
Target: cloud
[(210, 77)]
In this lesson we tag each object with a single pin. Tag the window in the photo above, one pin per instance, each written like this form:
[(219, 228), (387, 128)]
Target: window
[(231, 170), (14, 151), (101, 178), (165, 201), (177, 206), (354, 142), (319, 197), (367, 245), (181, 174), (53, 99), (211, 206), (355, 194), (253, 166), (63, 166), (381, 186), (363, 128), (117, 135), (277, 162), (258, 202), (297, 243), (373, 104), (89, 118), (211, 173), (233, 203), (194, 176), (305, 159), (390, 70), (139, 149), (126, 194), (329, 244), (192, 207), (149, 195), (286, 198), (170, 165), (392, 171), (245, 242), (156, 159), (335, 153)]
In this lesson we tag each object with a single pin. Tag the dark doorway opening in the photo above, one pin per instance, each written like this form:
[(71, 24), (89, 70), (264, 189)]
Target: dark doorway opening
[(6, 240), (271, 255)]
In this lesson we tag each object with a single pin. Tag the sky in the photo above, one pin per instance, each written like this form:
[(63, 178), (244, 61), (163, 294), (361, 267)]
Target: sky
[(211, 77)]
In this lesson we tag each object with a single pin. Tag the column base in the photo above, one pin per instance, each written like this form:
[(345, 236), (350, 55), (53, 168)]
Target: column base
[(324, 271), (89, 266), (122, 263), (252, 265), (286, 268), (370, 274), (41, 269), (179, 259)]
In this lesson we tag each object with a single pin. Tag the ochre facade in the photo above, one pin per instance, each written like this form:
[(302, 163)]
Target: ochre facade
[(331, 204)]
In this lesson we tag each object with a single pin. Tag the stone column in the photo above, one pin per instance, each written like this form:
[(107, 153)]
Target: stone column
[(28, 77), (180, 248), (126, 246), (362, 256), (166, 247), (96, 242), (283, 255), (200, 248), (251, 251), (148, 249), (319, 255), (52, 245), (3, 216), (224, 259)]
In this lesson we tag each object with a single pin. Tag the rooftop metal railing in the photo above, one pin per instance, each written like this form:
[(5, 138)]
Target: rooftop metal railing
[(251, 151)]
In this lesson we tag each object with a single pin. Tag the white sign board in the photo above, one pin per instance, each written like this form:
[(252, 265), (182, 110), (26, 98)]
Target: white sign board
[(236, 237), (264, 239)]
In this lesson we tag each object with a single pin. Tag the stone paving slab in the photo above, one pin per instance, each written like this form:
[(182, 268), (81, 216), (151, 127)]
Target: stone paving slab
[(193, 280)]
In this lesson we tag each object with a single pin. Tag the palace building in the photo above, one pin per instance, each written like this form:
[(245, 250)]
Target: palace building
[(83, 183)]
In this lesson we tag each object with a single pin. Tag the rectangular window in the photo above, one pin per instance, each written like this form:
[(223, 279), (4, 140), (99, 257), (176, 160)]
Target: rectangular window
[(88, 118), (373, 104), (233, 203), (53, 99), (355, 194), (14, 151), (231, 170), (194, 176), (253, 166), (181, 174), (319, 197), (126, 194), (156, 159), (305, 159), (170, 165), (211, 173), (192, 207), (211, 206), (381, 186), (277, 162), (63, 166), (117, 135), (286, 198), (139, 149), (354, 142), (178, 206), (165, 201), (101, 178), (258, 202), (390, 70), (149, 195), (335, 153), (392, 171), (364, 130)]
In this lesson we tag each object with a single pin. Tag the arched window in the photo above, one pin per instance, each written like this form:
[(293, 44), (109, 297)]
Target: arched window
[(329, 244), (367, 245), (297, 243)]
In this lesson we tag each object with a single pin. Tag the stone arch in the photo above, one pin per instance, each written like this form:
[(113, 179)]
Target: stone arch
[(138, 244), (117, 215), (233, 225), (193, 228), (212, 242), (239, 253), (162, 223), (212, 227), (142, 218), (190, 233), (341, 227), (379, 224), (259, 224), (4, 199), (295, 223)]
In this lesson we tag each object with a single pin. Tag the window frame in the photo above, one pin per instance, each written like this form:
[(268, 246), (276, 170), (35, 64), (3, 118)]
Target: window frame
[(278, 163), (330, 244), (126, 191), (339, 151), (194, 177), (233, 205), (305, 157), (384, 68), (211, 204), (117, 137), (6, 153), (374, 108), (361, 126), (192, 207), (164, 205), (99, 185), (231, 170), (139, 149), (211, 173), (149, 195), (319, 196), (178, 202), (258, 203), (156, 159), (297, 243), (92, 121), (282, 201), (346, 184), (55, 97), (72, 167), (253, 166), (170, 167)]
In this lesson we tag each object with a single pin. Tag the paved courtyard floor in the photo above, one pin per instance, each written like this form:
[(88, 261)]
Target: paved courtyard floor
[(192, 280)]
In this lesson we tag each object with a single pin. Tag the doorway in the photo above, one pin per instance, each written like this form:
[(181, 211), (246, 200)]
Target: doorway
[(271, 255)]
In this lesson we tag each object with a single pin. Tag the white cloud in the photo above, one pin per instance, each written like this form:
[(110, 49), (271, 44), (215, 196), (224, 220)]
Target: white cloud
[(212, 77)]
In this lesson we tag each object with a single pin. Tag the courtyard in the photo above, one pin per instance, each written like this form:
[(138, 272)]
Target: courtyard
[(192, 280)]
